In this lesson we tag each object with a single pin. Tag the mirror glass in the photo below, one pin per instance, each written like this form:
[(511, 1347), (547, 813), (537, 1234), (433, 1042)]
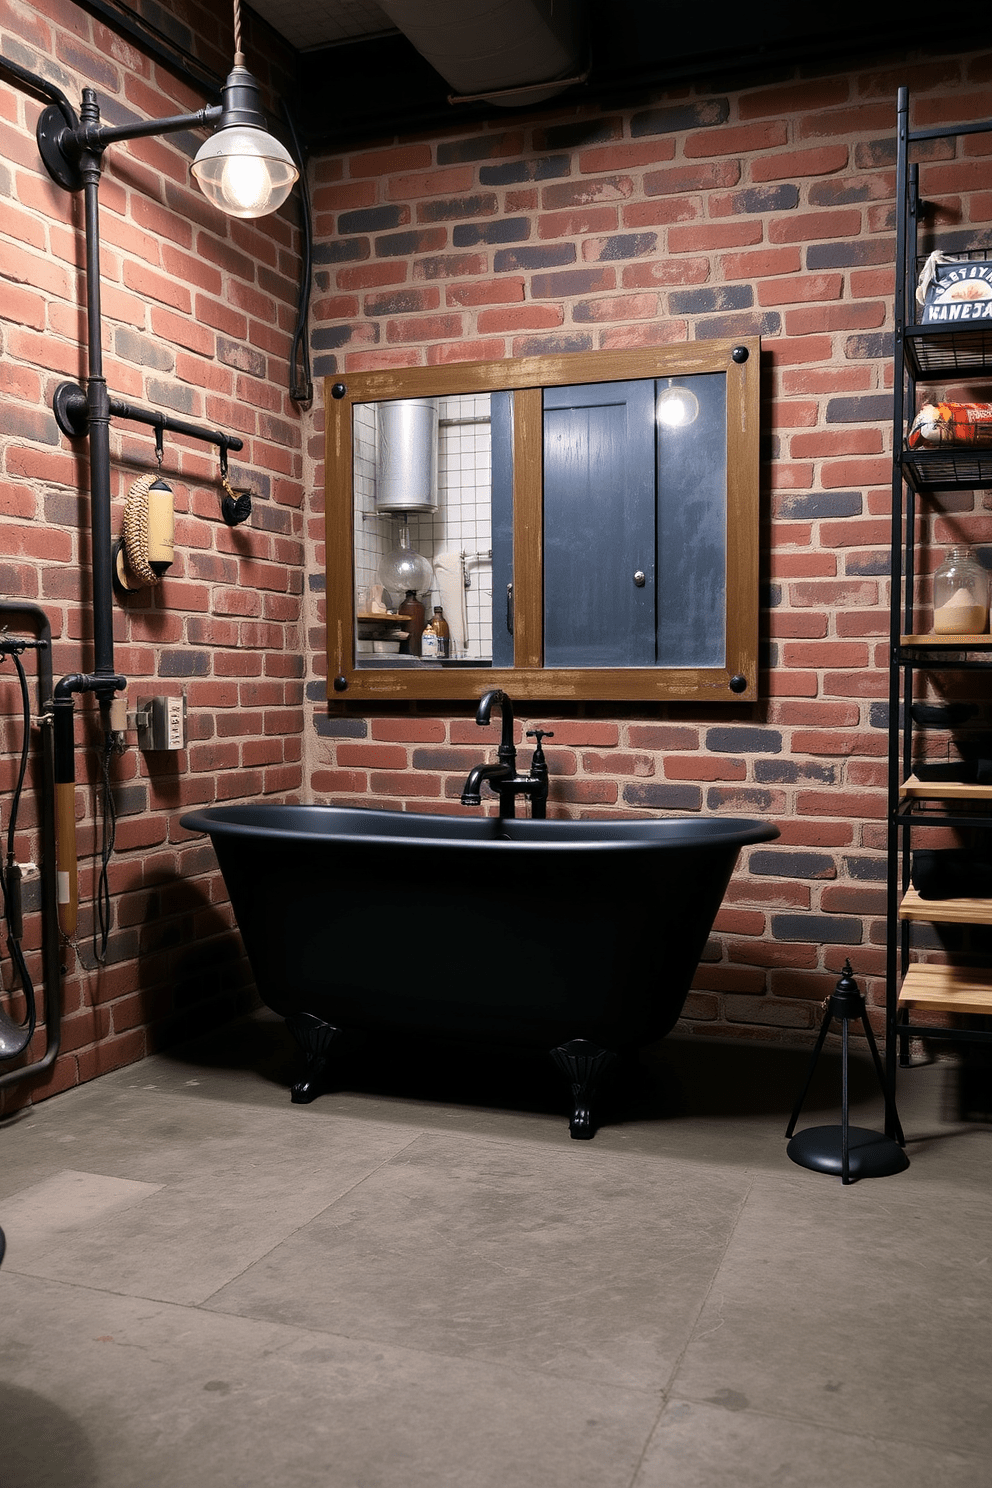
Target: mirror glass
[(423, 489), (574, 526)]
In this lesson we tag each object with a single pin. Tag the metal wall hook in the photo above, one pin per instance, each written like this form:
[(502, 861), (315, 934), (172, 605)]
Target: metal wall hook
[(235, 506)]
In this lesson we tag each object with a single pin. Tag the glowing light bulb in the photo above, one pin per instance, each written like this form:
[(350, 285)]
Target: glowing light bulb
[(245, 184)]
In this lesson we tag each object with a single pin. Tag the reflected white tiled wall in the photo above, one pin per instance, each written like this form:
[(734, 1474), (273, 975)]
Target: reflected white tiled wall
[(461, 524)]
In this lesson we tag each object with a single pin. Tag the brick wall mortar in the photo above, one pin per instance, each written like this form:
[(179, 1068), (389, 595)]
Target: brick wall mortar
[(764, 210)]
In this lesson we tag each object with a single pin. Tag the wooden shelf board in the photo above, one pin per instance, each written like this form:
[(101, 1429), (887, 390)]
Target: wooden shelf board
[(945, 911), (947, 989), (944, 790), (952, 642)]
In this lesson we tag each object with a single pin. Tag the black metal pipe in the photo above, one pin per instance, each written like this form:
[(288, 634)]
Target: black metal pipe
[(72, 415), (50, 959)]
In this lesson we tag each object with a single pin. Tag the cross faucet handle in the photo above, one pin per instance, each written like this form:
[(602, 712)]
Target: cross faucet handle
[(540, 734)]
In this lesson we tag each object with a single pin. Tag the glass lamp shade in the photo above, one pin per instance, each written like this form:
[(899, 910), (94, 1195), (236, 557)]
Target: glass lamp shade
[(244, 171), (404, 569)]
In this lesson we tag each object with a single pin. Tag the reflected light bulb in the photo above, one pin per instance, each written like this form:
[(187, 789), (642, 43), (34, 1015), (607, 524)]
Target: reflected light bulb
[(244, 183), (677, 406)]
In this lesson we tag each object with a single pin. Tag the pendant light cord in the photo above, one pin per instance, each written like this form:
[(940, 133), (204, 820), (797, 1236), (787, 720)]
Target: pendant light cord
[(239, 58)]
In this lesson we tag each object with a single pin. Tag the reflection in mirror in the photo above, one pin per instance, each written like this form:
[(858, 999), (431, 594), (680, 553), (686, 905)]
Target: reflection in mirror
[(422, 486)]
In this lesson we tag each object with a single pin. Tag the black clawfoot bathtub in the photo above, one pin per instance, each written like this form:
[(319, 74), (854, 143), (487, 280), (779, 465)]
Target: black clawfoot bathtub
[(578, 937)]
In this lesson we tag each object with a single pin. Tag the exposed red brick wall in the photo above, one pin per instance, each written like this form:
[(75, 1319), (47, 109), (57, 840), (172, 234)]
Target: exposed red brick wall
[(198, 317), (767, 209)]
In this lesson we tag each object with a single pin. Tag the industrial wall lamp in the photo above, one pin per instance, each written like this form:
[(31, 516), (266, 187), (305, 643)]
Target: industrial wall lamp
[(242, 169), (246, 173)]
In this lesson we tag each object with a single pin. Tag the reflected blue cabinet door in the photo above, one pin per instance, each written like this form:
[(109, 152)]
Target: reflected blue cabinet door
[(599, 525)]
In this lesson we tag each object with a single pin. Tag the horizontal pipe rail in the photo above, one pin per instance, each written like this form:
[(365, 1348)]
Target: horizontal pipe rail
[(72, 415)]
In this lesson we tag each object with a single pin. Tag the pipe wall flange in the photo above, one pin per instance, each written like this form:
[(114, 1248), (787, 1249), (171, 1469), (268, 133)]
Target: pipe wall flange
[(50, 132), (70, 409)]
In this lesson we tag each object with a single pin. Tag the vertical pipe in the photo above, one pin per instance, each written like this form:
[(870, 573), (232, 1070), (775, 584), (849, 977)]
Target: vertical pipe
[(98, 409)]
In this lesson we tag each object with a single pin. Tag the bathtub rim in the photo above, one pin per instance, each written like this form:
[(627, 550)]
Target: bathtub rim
[(553, 835)]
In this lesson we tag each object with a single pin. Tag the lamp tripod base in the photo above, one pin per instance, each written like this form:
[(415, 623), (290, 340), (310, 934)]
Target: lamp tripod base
[(848, 1152), (870, 1154)]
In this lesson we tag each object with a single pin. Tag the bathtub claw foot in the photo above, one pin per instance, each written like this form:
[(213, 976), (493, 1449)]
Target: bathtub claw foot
[(314, 1037), (583, 1064)]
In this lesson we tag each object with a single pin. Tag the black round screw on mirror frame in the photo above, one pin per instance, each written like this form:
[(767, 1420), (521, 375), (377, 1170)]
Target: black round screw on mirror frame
[(340, 684), (338, 390), (740, 353), (738, 683)]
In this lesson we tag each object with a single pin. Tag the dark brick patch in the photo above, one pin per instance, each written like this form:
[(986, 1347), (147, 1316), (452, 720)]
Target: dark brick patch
[(398, 302), (481, 147), (403, 244), (553, 345), (742, 324), (36, 424), (869, 346), (443, 760), (866, 870), (317, 583), (504, 230), (130, 346), (449, 210), (330, 336), (834, 929), (860, 410), (740, 798), (793, 772), (843, 255), (732, 740), (878, 716), (817, 504), (677, 117), (770, 596), (373, 219), (340, 728), (964, 241), (177, 396), (325, 366), (768, 863), (868, 565), (765, 199), (664, 797), (129, 800), (712, 297), (873, 154), (515, 172), (184, 664), (839, 193), (571, 282), (508, 260), (341, 250), (627, 245)]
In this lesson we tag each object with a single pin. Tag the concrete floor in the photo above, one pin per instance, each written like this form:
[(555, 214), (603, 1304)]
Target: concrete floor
[(420, 1281)]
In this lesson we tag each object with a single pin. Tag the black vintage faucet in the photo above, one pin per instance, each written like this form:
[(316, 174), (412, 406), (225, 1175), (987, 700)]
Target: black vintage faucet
[(502, 776)]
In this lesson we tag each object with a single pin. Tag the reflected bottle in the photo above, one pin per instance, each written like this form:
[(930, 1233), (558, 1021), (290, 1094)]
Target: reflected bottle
[(414, 613), (960, 594), (442, 632)]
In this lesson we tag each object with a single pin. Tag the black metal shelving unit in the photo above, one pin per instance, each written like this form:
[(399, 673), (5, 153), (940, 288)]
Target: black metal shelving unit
[(929, 354)]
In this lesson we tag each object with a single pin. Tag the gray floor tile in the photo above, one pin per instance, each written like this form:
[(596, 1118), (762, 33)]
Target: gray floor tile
[(855, 1308), (168, 1397), (230, 1183), (699, 1445), (556, 1258)]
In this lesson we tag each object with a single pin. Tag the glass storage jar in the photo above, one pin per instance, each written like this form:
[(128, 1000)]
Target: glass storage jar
[(960, 594)]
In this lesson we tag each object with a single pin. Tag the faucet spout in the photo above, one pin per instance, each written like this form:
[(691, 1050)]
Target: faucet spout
[(502, 774)]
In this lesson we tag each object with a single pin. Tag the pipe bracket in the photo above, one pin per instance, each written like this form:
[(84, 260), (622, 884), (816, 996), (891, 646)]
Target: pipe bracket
[(70, 409)]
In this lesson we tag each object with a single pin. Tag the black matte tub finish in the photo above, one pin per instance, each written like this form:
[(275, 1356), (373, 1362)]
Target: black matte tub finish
[(578, 937)]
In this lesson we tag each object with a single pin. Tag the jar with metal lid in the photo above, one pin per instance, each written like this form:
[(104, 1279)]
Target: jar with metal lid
[(960, 594)]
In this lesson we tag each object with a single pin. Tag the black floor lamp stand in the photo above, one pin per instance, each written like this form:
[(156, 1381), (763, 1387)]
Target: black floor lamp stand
[(851, 1151)]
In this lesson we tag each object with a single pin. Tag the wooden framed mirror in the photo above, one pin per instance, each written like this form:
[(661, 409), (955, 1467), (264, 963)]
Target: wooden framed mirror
[(587, 522)]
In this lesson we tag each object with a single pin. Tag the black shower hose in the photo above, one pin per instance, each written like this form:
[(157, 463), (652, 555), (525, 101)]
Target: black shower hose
[(10, 873)]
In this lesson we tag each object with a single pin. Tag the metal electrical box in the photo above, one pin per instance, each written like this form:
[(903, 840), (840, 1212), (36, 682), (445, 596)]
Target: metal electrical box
[(161, 722)]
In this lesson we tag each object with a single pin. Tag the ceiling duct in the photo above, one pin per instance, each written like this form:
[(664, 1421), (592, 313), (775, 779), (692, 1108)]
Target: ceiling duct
[(510, 52)]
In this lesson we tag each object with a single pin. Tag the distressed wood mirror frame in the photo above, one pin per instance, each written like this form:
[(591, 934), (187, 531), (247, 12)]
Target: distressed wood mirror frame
[(526, 378)]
